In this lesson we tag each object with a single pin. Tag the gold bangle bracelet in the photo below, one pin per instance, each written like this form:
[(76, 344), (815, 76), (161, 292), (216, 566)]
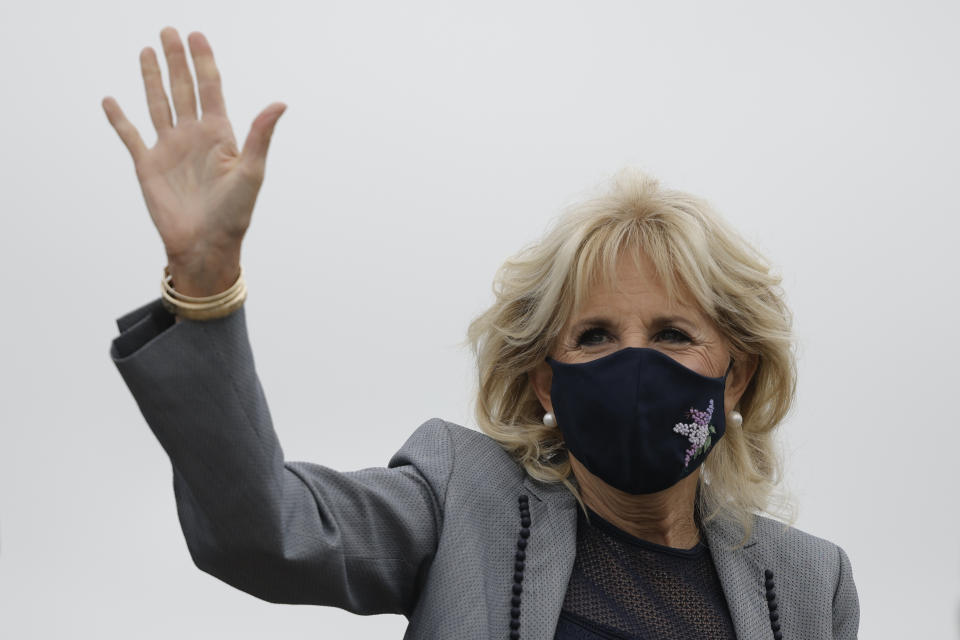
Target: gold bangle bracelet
[(168, 287), (206, 308)]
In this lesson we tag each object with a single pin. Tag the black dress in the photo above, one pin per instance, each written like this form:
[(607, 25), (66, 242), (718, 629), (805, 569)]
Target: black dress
[(625, 587)]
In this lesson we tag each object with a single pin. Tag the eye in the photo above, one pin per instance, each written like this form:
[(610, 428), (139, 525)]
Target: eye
[(673, 335), (592, 337)]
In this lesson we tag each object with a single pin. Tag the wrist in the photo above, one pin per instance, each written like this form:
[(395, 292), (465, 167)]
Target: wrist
[(204, 277), (204, 285), (208, 307)]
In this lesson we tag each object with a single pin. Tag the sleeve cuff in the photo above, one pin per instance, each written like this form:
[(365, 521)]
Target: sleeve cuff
[(140, 326)]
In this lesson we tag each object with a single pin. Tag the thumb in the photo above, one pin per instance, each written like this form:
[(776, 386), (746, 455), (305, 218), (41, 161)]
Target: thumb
[(258, 140)]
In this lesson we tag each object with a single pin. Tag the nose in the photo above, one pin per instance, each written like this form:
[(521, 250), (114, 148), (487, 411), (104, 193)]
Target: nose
[(636, 338)]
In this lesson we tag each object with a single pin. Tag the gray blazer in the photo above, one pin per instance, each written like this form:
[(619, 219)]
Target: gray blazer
[(433, 535)]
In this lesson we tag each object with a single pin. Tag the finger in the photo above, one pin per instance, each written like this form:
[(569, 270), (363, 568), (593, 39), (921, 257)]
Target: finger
[(181, 81), (208, 76), (125, 129), (255, 148), (157, 101)]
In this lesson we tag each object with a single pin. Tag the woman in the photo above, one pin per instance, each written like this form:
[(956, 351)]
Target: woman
[(632, 371)]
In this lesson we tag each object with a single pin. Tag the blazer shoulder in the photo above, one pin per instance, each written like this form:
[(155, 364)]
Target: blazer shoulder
[(474, 457), (812, 559), (465, 442), (771, 532)]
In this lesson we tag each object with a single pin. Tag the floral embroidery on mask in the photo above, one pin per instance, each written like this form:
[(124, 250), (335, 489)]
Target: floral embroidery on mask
[(699, 432)]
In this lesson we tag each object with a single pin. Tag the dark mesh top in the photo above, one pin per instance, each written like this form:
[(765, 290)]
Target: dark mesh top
[(625, 587)]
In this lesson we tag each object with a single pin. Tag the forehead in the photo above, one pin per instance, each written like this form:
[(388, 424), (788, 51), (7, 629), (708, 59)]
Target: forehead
[(633, 288)]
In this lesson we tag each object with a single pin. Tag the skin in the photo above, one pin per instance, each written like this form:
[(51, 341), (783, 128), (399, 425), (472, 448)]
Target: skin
[(638, 313), (199, 186)]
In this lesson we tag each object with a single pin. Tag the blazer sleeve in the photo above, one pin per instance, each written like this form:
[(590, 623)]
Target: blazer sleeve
[(846, 604), (285, 532)]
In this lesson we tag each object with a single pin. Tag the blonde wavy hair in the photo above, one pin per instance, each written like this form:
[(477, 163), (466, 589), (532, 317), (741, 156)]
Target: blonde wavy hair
[(699, 258)]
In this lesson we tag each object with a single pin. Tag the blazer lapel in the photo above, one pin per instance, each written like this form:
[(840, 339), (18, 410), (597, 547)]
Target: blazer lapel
[(741, 576), (550, 554)]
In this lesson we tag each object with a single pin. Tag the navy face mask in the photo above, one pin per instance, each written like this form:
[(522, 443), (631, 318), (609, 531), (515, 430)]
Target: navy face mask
[(637, 419)]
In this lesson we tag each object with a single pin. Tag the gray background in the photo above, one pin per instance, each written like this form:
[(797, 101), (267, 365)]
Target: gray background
[(424, 143)]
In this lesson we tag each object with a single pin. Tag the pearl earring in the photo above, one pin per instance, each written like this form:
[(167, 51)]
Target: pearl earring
[(736, 419), (549, 420)]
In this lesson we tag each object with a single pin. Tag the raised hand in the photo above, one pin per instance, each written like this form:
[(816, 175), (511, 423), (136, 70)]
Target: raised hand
[(199, 189)]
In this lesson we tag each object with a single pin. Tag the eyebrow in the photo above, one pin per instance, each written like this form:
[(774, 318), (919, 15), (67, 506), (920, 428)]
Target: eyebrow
[(658, 321)]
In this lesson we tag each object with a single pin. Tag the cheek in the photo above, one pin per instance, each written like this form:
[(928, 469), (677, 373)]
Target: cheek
[(578, 356), (703, 361)]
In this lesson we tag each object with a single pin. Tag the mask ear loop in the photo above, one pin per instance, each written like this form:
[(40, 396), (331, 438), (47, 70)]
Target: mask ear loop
[(729, 367)]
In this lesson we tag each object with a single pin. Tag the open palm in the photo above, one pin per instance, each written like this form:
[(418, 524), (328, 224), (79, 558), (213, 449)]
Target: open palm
[(199, 188)]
